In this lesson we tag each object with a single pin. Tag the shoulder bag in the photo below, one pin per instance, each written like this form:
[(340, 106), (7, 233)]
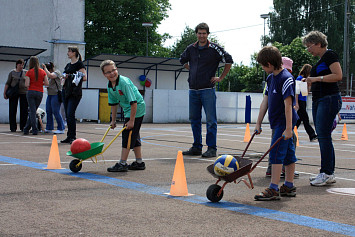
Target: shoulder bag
[(59, 93), (12, 91)]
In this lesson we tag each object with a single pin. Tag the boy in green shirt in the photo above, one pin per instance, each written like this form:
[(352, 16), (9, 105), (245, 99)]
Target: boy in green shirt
[(122, 91)]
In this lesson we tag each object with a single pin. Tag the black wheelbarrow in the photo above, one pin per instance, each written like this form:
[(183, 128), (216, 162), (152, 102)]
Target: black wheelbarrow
[(214, 192)]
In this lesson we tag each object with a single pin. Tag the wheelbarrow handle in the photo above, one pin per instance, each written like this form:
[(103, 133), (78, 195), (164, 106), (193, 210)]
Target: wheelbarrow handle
[(105, 134), (246, 148), (128, 143), (267, 152)]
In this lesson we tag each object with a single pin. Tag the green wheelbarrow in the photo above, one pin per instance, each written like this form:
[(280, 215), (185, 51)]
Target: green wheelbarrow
[(95, 150)]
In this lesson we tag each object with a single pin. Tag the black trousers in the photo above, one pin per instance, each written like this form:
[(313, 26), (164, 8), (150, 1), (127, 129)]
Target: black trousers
[(13, 102), (302, 113)]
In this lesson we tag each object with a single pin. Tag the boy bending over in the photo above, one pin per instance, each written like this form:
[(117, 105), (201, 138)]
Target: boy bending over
[(279, 100), (122, 91)]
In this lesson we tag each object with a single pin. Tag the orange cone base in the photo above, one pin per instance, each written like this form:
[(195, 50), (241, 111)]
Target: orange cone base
[(189, 194)]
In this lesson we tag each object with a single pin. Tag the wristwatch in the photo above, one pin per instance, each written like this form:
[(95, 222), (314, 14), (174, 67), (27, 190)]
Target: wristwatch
[(321, 78)]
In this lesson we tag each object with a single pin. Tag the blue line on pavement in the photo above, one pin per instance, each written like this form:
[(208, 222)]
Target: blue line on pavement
[(311, 222)]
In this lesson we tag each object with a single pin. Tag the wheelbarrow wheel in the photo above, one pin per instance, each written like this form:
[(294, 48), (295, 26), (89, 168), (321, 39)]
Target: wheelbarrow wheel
[(73, 166), (212, 193)]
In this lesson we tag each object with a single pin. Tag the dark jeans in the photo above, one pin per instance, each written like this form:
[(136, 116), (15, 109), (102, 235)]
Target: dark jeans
[(70, 105), (13, 102), (34, 99), (205, 98), (302, 113), (324, 111)]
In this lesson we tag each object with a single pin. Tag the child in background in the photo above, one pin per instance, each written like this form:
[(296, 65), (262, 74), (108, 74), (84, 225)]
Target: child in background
[(40, 113), (279, 100), (122, 91)]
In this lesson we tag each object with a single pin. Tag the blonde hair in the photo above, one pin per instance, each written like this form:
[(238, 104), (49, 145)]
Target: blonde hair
[(106, 63)]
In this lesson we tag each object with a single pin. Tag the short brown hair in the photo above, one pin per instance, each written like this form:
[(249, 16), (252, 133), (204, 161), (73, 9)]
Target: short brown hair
[(270, 54), (202, 26), (106, 63), (20, 61), (315, 37)]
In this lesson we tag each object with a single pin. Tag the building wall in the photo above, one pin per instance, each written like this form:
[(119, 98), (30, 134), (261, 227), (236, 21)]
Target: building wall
[(36, 23)]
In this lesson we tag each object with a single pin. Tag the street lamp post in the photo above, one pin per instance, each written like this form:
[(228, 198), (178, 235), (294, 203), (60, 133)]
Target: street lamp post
[(146, 25), (264, 16)]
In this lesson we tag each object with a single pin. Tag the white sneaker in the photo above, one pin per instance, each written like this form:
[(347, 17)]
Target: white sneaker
[(48, 131), (58, 132), (322, 179)]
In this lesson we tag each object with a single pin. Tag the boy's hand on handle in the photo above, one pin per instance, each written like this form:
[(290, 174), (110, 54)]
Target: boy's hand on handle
[(258, 129), (287, 134), (130, 124), (113, 124)]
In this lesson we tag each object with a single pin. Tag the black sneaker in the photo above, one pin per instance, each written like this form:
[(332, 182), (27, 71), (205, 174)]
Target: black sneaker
[(314, 139), (118, 167), (193, 151), (136, 166), (287, 192), (268, 195), (210, 153), (67, 140)]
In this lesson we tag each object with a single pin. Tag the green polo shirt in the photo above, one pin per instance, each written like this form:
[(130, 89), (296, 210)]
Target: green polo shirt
[(126, 93)]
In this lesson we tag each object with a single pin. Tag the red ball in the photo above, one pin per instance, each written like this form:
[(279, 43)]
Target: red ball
[(80, 145)]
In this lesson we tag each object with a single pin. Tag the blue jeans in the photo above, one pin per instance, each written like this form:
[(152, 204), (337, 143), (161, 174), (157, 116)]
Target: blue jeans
[(205, 98), (70, 105), (34, 99), (324, 111), (53, 108)]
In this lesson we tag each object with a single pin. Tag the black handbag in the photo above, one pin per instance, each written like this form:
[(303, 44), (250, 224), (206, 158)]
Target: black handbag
[(59, 93), (12, 91)]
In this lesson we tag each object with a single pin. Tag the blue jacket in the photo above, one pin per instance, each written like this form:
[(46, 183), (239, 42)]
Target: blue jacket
[(204, 63)]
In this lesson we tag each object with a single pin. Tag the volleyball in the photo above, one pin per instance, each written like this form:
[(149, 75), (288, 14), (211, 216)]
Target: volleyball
[(225, 164)]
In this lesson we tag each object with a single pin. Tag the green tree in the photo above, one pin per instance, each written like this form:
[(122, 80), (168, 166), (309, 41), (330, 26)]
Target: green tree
[(115, 26), (297, 52), (292, 19)]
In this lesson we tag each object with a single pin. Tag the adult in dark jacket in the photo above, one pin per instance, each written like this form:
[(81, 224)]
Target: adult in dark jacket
[(202, 59), (74, 75)]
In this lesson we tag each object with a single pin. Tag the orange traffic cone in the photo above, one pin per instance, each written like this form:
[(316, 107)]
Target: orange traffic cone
[(54, 158), (296, 133), (178, 185), (247, 134), (344, 135)]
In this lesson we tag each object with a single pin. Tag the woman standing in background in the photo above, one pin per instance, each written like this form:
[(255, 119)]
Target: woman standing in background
[(53, 100), (74, 75), (35, 79), (17, 76)]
